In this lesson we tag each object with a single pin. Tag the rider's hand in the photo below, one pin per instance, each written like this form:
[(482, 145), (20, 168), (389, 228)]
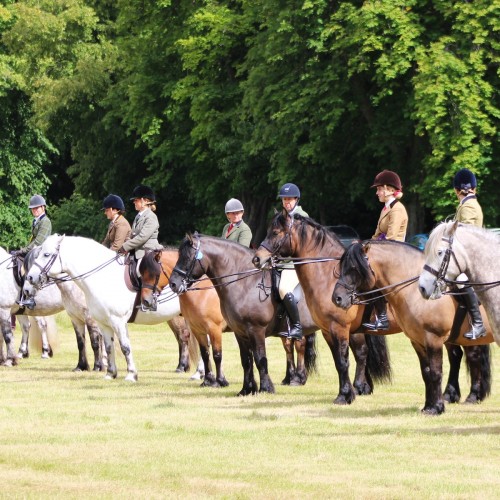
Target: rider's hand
[(121, 251)]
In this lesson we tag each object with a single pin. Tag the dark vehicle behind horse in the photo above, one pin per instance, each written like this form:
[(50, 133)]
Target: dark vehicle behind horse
[(250, 308), (393, 269)]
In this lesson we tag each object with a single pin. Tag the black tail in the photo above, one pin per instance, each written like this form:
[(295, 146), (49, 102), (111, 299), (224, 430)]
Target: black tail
[(378, 364), (311, 354)]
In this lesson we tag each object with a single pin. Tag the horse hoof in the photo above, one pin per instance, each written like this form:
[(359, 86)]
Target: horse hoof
[(108, 377), (8, 363), (131, 377), (341, 400), (45, 355), (196, 376)]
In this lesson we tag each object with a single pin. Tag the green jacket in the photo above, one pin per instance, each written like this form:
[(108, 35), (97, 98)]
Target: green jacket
[(40, 231), (240, 233)]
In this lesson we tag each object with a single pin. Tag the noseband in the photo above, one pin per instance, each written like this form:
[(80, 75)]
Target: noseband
[(440, 274)]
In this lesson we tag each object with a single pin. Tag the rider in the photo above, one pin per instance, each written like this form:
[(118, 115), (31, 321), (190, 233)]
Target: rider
[(144, 235), (119, 228), (41, 227), (236, 229), (290, 196), (392, 225), (469, 212)]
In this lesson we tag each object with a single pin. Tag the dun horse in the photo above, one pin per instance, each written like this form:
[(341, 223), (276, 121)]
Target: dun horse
[(454, 249), (99, 272), (393, 268), (250, 308), (50, 301), (318, 251)]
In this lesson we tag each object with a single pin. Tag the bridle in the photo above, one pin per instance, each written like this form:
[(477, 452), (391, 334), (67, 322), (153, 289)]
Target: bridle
[(187, 279), (44, 278), (440, 274), (277, 247)]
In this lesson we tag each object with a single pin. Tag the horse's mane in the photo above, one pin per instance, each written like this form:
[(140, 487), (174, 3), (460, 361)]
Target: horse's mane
[(321, 234), (443, 228), (354, 258), (400, 244), (231, 246)]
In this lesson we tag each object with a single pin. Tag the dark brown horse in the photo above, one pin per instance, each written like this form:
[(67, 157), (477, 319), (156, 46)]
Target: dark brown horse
[(201, 309), (394, 268), (318, 252), (250, 309)]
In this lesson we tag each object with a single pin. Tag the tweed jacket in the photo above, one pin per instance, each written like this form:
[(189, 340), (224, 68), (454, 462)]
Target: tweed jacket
[(240, 233), (469, 211), (40, 231), (392, 223), (144, 235), (118, 232)]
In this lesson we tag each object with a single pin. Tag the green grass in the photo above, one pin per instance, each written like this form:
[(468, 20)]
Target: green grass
[(76, 435)]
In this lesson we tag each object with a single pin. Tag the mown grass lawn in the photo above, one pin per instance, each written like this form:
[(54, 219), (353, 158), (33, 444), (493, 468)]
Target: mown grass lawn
[(76, 435)]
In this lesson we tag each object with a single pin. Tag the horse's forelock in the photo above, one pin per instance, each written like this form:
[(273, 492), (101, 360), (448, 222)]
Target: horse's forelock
[(435, 238)]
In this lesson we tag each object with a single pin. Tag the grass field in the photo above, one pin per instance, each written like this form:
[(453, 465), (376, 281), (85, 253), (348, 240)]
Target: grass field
[(76, 435)]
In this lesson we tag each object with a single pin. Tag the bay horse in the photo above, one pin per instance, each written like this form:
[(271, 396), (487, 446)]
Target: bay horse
[(65, 296), (100, 273), (201, 309), (453, 249), (317, 252), (249, 308), (393, 268)]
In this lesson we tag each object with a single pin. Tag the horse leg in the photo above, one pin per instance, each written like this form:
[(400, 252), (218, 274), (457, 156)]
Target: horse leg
[(108, 338), (452, 390), (209, 380), (8, 337), (340, 352), (249, 383), (300, 375), (363, 383), (46, 349), (259, 352), (182, 333), (96, 343), (24, 351), (479, 364), (431, 362), (79, 328), (215, 335), (127, 352), (290, 361)]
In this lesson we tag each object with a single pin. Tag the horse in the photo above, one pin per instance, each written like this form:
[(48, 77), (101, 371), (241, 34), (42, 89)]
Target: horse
[(453, 249), (250, 308), (50, 301), (392, 268), (201, 309), (100, 273), (301, 238)]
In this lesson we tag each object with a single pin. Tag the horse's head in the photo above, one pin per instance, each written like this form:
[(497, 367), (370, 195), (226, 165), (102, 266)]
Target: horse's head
[(355, 275), (48, 263), (190, 265), (153, 279), (278, 241), (440, 261)]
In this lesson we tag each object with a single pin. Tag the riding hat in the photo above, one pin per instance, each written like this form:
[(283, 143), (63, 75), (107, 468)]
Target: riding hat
[(142, 191), (388, 178), (113, 201), (464, 180), (37, 201), (234, 205), (289, 190)]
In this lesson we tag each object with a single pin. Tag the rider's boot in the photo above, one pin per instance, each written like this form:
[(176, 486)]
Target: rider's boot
[(381, 320), (471, 302), (293, 313)]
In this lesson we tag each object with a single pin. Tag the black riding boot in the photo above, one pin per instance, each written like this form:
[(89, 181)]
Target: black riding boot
[(478, 330), (381, 321), (293, 313)]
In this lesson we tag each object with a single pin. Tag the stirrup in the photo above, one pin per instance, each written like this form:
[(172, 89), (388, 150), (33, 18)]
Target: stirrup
[(377, 325), (476, 333)]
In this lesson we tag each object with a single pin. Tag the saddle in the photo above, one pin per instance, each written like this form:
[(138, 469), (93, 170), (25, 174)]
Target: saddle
[(133, 283)]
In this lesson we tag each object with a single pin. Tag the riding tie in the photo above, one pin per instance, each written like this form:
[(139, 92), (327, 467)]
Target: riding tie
[(229, 229)]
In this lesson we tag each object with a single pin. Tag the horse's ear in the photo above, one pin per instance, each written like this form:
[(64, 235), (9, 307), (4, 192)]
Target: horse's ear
[(157, 255), (453, 228)]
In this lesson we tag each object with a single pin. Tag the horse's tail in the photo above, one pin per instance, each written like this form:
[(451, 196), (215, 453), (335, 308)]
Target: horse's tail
[(311, 354), (485, 368), (378, 363), (37, 325)]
